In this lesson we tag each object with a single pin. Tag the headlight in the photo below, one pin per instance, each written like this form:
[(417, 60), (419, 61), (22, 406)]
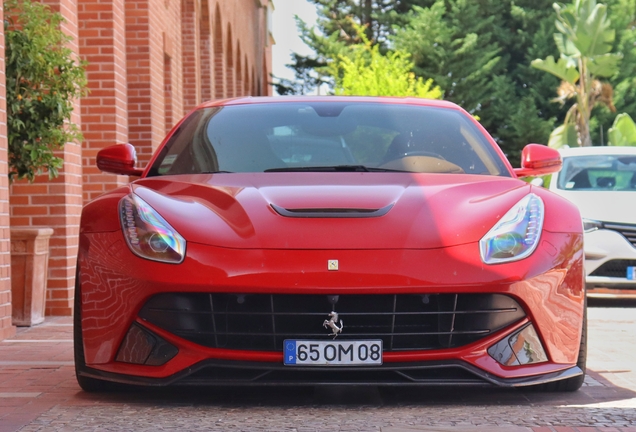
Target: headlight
[(517, 233), (148, 234), (590, 225)]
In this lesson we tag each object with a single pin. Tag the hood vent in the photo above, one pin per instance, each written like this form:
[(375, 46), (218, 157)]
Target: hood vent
[(332, 212)]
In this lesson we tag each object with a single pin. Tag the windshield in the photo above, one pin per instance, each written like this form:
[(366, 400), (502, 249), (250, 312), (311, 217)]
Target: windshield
[(598, 172), (325, 137)]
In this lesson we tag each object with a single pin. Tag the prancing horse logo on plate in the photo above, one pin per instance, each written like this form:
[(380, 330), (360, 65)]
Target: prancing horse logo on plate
[(332, 265), (332, 323)]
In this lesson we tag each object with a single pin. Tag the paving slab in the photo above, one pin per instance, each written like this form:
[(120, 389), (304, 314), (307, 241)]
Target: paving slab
[(38, 392)]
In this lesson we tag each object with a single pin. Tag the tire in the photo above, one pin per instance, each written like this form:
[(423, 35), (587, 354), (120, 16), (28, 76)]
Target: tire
[(574, 383), (87, 384)]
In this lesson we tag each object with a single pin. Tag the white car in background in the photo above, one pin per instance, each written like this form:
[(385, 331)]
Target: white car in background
[(601, 181)]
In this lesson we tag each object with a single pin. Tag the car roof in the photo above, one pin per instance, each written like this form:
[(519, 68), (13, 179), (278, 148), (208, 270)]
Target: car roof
[(597, 150), (354, 99)]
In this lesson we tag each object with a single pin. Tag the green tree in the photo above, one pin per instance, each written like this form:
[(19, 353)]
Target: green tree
[(584, 39), (622, 14), (335, 30), (364, 71), (43, 78), (479, 53), (623, 131)]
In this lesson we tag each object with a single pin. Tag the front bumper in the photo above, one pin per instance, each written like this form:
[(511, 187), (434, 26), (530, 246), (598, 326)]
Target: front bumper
[(215, 372), (608, 256), (548, 286)]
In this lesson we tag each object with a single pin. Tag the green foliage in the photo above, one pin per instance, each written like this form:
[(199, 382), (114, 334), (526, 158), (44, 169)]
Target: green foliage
[(560, 69), (364, 71), (584, 30), (622, 14), (43, 78), (334, 31), (623, 131), (479, 53), (564, 135), (584, 39)]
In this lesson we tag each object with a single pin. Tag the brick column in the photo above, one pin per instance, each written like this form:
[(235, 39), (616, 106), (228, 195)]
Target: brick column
[(191, 62), (205, 52), (58, 203), (219, 58), (238, 80), (102, 37), (146, 24), (229, 64), (6, 328)]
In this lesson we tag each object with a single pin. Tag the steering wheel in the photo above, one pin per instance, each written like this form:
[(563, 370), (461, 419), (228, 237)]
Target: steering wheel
[(415, 153), (424, 153), (422, 161)]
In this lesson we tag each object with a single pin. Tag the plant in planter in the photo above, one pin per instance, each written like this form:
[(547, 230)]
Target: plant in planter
[(43, 78)]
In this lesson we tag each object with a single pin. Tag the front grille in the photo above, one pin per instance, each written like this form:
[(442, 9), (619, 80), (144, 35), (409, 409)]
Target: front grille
[(614, 268), (627, 230), (261, 322)]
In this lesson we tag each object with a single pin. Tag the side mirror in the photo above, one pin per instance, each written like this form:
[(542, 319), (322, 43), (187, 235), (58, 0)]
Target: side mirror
[(537, 160), (118, 159)]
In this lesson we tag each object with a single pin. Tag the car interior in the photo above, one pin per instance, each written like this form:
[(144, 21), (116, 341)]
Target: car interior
[(288, 136)]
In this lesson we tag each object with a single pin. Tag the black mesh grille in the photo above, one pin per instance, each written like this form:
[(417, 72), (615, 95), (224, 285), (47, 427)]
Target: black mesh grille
[(261, 322), (614, 268), (627, 230)]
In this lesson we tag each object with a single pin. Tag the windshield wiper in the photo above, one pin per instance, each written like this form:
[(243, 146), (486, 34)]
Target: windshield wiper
[(216, 172), (332, 168)]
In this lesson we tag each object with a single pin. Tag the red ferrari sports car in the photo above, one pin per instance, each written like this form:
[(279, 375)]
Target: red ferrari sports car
[(330, 240)]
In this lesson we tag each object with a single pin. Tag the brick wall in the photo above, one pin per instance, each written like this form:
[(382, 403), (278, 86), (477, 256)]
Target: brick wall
[(152, 36), (219, 58), (205, 51), (191, 50), (102, 42), (6, 328), (56, 203), (150, 61)]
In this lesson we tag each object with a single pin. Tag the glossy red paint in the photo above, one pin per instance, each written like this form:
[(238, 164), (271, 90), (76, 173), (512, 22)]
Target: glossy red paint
[(428, 243), (537, 159), (555, 302), (238, 211), (118, 159)]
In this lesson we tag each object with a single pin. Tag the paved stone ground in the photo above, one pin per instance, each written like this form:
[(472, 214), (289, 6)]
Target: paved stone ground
[(38, 392)]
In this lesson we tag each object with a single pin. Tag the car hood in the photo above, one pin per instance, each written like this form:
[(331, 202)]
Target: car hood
[(331, 210), (608, 206)]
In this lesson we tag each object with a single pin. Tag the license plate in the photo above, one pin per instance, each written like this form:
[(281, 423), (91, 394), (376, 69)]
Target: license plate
[(631, 273), (332, 353)]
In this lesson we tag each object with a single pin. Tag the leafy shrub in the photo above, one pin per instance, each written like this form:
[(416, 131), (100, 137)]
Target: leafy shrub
[(43, 79)]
